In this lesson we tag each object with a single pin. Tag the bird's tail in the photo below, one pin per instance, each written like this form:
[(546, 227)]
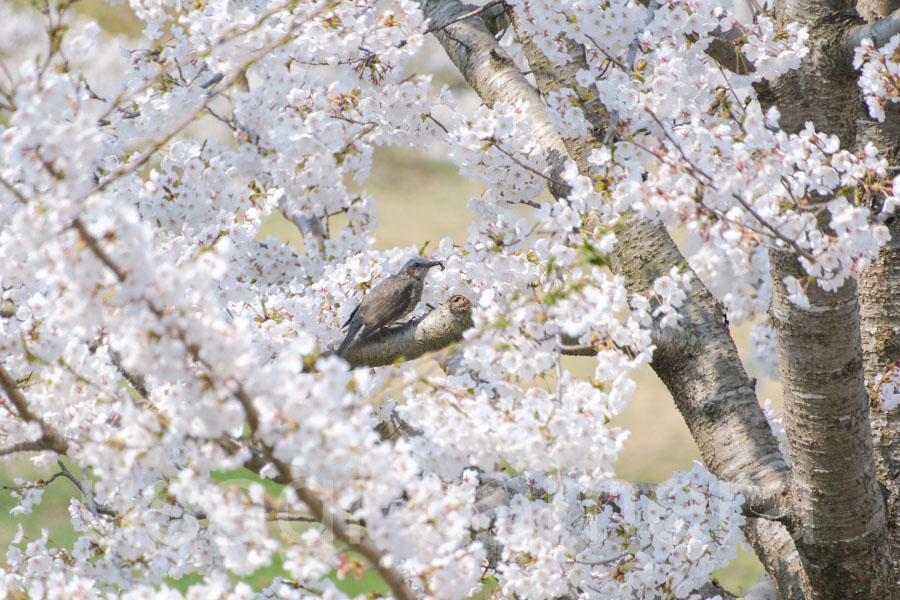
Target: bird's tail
[(352, 335)]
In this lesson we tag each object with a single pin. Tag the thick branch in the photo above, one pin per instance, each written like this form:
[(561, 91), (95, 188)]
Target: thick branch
[(574, 349), (880, 32), (438, 329), (758, 500), (35, 446), (310, 228), (872, 10), (824, 90), (763, 589), (488, 68), (879, 302), (482, 11), (808, 12), (699, 363)]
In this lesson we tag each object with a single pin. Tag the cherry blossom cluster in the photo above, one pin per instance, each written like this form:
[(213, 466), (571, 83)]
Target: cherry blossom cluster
[(654, 96), (159, 280), (496, 146), (616, 543), (753, 204), (166, 344), (880, 74), (889, 389), (702, 153), (774, 52), (26, 497), (565, 114)]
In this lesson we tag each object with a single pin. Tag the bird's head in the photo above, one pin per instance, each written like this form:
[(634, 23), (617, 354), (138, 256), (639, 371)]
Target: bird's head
[(417, 267)]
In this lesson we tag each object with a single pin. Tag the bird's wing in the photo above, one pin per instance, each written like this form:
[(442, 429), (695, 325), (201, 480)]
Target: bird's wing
[(348, 341), (386, 303)]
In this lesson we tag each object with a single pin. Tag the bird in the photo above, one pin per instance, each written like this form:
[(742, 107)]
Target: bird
[(390, 300)]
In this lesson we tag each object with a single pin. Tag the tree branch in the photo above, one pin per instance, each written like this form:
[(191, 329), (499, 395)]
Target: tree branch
[(768, 503), (488, 68), (135, 380), (321, 513), (846, 552), (872, 10), (880, 32), (711, 388), (879, 302), (310, 228), (477, 11), (50, 438), (579, 349), (357, 543), (438, 329), (879, 307), (699, 362), (35, 446), (763, 589)]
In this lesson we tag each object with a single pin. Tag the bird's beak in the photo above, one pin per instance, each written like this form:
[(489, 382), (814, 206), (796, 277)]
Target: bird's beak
[(435, 263)]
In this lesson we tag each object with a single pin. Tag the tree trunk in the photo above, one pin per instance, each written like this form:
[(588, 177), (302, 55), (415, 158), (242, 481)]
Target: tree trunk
[(840, 526)]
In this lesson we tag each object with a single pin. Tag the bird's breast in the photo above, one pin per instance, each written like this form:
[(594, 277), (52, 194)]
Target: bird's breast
[(414, 297)]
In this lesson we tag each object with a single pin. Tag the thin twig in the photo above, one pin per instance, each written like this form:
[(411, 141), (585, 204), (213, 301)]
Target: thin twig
[(496, 144), (13, 190), (559, 371), (94, 507), (608, 56), (305, 519), (694, 171), (530, 203), (28, 485)]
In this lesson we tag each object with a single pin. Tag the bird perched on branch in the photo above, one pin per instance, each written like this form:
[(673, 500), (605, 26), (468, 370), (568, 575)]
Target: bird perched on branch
[(390, 300)]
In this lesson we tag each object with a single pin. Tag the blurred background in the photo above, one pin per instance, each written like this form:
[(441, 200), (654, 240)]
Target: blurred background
[(421, 197)]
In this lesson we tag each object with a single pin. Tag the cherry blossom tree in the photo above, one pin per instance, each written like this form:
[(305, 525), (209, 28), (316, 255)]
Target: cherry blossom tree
[(150, 339)]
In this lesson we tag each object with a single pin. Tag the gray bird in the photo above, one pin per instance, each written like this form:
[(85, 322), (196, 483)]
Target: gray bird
[(389, 300)]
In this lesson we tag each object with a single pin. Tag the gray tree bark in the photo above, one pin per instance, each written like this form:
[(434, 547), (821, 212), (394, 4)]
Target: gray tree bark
[(879, 300), (842, 531)]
